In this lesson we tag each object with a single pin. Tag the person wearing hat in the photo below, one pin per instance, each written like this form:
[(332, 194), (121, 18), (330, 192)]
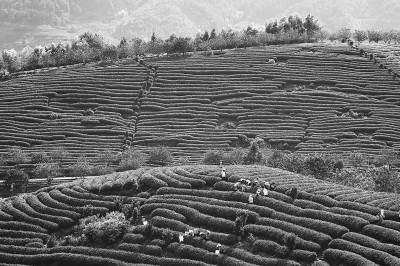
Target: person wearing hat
[(265, 192), (223, 174), (251, 199), (236, 186), (258, 192), (380, 217), (217, 250)]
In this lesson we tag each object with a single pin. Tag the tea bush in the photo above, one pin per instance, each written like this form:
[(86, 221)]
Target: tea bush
[(106, 229), (130, 160), (160, 155)]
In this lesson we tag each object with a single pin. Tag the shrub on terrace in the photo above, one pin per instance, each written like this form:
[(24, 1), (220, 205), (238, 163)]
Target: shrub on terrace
[(385, 179), (18, 156), (81, 167), (354, 177), (107, 157), (102, 170), (287, 161), (58, 154), (236, 156), (387, 158), (47, 171), (254, 156), (319, 165), (106, 229), (16, 178), (40, 157), (160, 155), (213, 157), (357, 159), (131, 159)]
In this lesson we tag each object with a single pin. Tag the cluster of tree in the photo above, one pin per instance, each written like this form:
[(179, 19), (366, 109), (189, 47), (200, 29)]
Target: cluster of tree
[(91, 47), (21, 166), (377, 174), (387, 36)]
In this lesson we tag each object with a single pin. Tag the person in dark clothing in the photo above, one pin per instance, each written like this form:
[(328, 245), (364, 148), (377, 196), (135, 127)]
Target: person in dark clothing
[(273, 186)]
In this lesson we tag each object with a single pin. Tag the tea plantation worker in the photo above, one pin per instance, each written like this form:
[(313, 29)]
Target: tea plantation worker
[(258, 192), (255, 182), (265, 192), (223, 174), (271, 61), (208, 234), (380, 217), (236, 186), (273, 186), (202, 235), (217, 250), (251, 199), (136, 58), (293, 193), (180, 238), (238, 226)]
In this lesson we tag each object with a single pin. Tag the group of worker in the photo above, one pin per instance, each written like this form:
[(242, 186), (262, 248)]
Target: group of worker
[(195, 232), (205, 234), (253, 186)]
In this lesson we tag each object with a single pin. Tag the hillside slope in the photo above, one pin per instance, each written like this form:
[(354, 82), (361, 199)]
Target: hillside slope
[(316, 98), (331, 224)]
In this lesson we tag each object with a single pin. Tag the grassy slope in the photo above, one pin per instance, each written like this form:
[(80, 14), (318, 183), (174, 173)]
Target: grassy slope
[(330, 222)]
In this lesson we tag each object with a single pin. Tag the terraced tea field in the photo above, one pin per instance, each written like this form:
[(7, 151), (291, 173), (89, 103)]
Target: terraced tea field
[(331, 224), (317, 97)]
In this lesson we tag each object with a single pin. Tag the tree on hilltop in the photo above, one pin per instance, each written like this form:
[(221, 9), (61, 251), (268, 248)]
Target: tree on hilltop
[(206, 36), (213, 34), (311, 25)]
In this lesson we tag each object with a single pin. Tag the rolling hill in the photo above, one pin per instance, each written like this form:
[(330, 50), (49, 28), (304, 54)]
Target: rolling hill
[(315, 98), (329, 224)]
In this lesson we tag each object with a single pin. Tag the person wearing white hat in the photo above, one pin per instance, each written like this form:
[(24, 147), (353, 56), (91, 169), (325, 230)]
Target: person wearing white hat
[(251, 199), (265, 192), (223, 174), (217, 250)]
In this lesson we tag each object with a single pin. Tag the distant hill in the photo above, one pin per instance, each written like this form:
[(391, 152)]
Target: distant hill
[(40, 22)]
